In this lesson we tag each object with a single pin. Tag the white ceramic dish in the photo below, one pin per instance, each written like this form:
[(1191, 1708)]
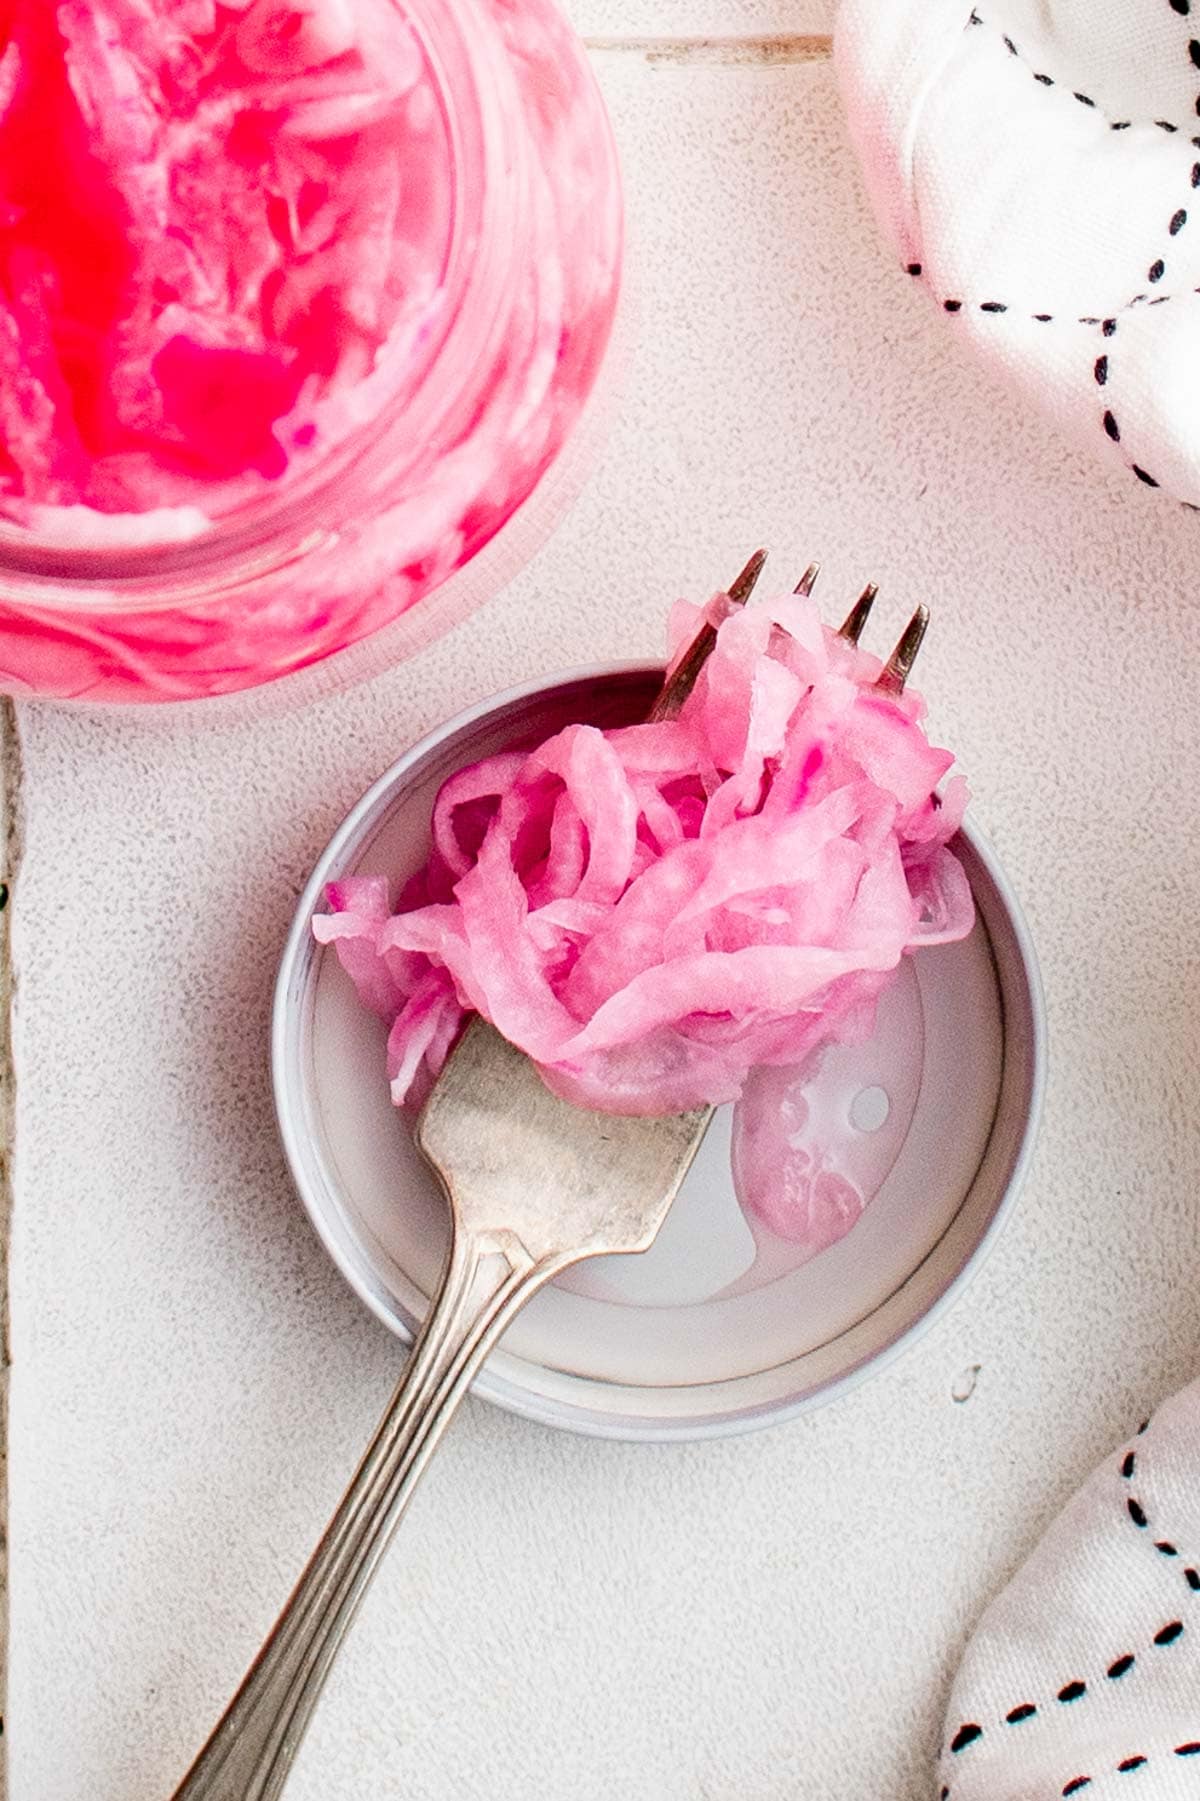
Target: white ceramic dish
[(715, 1329)]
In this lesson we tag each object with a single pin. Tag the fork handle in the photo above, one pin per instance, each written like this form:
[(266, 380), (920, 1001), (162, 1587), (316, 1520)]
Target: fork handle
[(250, 1751)]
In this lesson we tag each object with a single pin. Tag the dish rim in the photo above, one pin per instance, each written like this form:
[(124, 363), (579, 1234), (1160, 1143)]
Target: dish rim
[(299, 963)]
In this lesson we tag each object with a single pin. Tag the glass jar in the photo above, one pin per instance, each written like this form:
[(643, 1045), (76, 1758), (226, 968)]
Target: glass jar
[(409, 473)]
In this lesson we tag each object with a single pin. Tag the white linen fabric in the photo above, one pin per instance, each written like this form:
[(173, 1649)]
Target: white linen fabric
[(1083, 1677), (1036, 164)]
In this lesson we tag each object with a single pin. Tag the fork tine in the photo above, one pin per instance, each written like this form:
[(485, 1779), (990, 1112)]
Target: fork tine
[(739, 590), (808, 580), (682, 679), (898, 667), (852, 625)]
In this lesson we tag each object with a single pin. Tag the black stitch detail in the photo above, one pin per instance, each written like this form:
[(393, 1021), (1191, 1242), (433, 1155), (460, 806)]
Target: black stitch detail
[(912, 268), (966, 1735), (1131, 1763), (1127, 1468), (1183, 7), (945, 1790), (1137, 1512), (1166, 1635), (1076, 1783), (1191, 1749), (1122, 1667), (1026, 1711), (1089, 319), (1072, 1691), (1191, 1577), (1145, 1423), (976, 20), (1100, 370), (1165, 1546)]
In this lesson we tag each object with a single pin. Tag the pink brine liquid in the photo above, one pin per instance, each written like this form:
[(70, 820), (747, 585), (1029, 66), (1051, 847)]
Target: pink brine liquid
[(298, 302)]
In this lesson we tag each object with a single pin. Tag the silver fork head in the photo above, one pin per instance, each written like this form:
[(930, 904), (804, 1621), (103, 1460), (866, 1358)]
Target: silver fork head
[(529, 1173), (891, 679)]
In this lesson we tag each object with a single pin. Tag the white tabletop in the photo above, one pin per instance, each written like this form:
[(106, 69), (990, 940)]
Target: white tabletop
[(765, 1617)]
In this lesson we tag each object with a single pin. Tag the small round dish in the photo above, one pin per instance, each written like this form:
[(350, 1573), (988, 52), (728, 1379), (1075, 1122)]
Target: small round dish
[(716, 1329)]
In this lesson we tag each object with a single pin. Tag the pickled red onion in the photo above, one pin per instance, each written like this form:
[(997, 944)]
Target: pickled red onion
[(213, 219), (653, 912)]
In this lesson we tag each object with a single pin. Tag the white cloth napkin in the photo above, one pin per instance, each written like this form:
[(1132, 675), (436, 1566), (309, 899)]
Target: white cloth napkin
[(1036, 164), (1083, 1677)]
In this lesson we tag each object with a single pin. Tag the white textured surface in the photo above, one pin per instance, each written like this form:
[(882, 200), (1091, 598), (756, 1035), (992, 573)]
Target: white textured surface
[(769, 1617)]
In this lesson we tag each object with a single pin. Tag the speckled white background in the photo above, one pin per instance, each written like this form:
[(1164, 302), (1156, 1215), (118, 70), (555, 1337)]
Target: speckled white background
[(766, 1618)]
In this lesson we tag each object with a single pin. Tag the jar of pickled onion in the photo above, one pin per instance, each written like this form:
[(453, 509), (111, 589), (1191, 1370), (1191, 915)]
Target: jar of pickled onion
[(299, 302)]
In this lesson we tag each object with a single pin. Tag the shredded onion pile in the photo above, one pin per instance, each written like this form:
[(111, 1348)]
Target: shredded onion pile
[(652, 912)]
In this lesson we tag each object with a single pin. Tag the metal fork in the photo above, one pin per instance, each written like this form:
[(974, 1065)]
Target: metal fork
[(534, 1185)]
